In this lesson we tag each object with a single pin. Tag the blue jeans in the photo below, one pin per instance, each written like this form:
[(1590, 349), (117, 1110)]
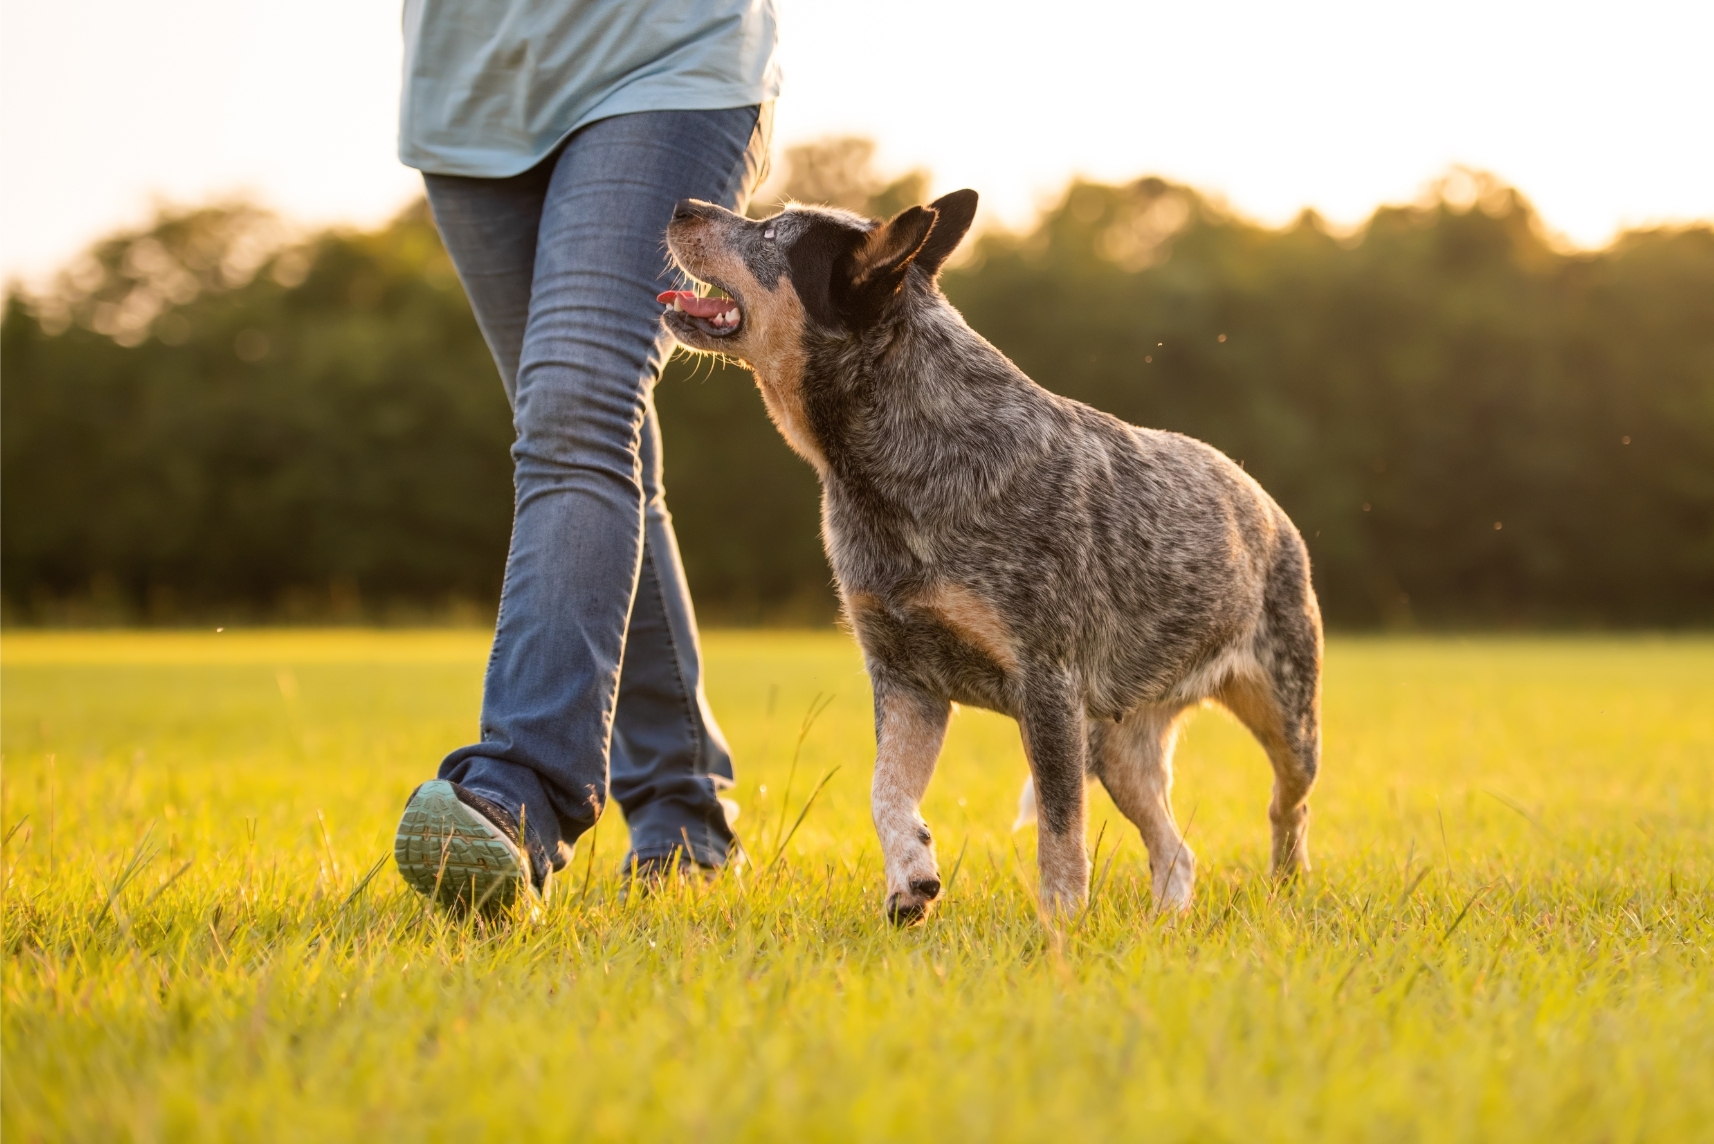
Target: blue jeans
[(595, 674)]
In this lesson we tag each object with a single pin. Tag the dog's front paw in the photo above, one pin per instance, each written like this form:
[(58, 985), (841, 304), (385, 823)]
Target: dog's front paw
[(907, 906), (1175, 884)]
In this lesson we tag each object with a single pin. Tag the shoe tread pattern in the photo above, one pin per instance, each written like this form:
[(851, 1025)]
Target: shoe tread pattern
[(449, 851)]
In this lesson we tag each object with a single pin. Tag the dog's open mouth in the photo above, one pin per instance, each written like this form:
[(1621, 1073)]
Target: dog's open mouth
[(717, 317)]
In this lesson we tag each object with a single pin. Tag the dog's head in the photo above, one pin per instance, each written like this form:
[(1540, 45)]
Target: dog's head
[(805, 268)]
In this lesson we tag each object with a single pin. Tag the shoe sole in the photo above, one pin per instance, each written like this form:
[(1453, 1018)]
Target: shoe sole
[(451, 853)]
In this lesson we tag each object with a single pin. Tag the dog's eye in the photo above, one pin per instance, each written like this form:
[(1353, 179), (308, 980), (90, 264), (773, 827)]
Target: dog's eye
[(768, 233)]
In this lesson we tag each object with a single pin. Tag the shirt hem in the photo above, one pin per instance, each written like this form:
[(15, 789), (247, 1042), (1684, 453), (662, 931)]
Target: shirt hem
[(504, 165)]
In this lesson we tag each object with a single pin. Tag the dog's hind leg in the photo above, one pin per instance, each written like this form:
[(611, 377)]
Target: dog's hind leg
[(909, 728), (1293, 743), (1134, 762), (1280, 702), (1056, 742)]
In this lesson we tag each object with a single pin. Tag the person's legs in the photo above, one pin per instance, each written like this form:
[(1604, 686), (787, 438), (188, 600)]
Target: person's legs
[(565, 680)]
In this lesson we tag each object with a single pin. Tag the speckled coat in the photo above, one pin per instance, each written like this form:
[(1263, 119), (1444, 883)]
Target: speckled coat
[(1001, 546)]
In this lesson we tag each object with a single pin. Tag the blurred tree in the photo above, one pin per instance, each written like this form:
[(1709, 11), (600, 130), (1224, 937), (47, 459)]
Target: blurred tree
[(292, 430), (1471, 426), (838, 172)]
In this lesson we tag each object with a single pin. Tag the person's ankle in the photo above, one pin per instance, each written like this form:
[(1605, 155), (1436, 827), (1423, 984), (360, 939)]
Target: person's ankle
[(515, 826)]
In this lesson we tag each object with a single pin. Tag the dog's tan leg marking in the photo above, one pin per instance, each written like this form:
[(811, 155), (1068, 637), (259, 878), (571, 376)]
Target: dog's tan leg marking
[(1292, 751), (974, 620), (909, 728), (1135, 764), (1056, 742)]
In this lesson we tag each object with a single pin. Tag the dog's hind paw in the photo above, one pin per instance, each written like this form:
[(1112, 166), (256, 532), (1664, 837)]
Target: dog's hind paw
[(905, 907)]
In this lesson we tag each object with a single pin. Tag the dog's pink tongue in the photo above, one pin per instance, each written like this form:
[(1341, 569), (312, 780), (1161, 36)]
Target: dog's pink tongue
[(694, 306)]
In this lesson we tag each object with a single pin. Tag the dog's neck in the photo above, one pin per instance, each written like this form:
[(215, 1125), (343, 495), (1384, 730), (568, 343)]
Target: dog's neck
[(780, 365), (896, 412)]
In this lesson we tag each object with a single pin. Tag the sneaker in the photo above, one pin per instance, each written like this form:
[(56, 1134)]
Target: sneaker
[(463, 850)]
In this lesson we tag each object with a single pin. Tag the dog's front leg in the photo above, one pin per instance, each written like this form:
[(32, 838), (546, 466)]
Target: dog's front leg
[(1055, 731), (909, 728)]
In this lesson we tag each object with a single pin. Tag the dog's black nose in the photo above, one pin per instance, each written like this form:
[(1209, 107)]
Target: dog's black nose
[(685, 209)]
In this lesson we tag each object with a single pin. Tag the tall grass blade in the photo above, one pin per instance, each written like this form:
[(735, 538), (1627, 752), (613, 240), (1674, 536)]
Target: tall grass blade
[(802, 814), (816, 706), (162, 888), (946, 892), (140, 859), (364, 884), (1530, 818), (1404, 895), (8, 839)]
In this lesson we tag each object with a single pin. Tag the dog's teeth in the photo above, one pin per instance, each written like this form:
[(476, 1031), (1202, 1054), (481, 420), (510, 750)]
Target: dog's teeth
[(731, 317), (677, 305)]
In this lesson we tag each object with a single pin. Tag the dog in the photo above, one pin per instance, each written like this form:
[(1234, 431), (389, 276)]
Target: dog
[(997, 545)]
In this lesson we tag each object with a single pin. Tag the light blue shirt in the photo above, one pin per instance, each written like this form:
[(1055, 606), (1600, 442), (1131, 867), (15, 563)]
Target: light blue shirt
[(491, 87)]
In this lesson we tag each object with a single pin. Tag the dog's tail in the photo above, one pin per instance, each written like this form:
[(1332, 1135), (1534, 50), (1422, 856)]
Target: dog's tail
[(1026, 805)]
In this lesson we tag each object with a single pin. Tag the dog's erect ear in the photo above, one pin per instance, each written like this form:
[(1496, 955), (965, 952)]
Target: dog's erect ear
[(953, 215), (878, 264), (889, 248)]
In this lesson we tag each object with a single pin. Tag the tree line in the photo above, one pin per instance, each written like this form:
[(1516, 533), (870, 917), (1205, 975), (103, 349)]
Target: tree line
[(1473, 426)]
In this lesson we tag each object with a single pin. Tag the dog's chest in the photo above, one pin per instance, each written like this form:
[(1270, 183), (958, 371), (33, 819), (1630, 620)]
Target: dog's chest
[(945, 637), (912, 609), (943, 642)]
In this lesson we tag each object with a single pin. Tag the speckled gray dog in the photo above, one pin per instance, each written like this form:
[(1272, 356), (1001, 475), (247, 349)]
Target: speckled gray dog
[(1001, 546)]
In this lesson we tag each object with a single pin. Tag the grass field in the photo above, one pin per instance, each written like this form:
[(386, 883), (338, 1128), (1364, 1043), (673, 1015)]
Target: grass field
[(1508, 934)]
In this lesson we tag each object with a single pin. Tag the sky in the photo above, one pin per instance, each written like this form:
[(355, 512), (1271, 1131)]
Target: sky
[(1603, 115)]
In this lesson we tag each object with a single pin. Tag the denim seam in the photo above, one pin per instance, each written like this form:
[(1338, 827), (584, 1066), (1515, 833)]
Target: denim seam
[(500, 608), (684, 696)]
